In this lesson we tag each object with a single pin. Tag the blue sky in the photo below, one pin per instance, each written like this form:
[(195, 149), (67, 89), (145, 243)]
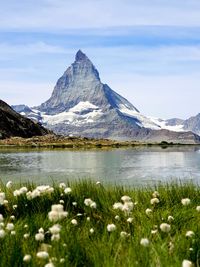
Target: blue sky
[(148, 51)]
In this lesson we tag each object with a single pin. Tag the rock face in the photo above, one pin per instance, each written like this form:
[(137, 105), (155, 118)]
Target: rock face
[(81, 84), (191, 124), (14, 124), (83, 106)]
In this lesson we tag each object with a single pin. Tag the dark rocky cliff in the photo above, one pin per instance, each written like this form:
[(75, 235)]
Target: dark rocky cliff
[(14, 124)]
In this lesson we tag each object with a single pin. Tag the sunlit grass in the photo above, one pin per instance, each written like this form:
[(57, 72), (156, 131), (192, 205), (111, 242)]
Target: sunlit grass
[(90, 231)]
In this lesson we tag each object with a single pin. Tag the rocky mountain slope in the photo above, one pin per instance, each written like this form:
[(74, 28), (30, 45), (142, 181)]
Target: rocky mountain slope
[(83, 106), (191, 124), (14, 124)]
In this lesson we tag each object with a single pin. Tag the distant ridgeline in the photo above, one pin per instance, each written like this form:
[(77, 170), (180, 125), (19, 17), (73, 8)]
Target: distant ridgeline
[(82, 105), (14, 124)]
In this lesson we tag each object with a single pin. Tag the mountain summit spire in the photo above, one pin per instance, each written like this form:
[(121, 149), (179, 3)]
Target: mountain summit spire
[(80, 56), (82, 105)]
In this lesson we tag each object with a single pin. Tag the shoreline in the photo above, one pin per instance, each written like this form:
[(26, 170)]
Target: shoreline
[(54, 141)]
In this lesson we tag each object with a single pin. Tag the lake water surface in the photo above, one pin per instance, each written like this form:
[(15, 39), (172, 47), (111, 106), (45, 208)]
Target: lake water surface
[(137, 166)]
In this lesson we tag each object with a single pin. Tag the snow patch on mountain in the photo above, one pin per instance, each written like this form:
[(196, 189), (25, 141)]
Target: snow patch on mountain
[(82, 113), (163, 125), (141, 120), (83, 106)]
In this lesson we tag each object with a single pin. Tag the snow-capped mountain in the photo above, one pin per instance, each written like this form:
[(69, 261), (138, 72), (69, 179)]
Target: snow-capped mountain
[(191, 124), (82, 105)]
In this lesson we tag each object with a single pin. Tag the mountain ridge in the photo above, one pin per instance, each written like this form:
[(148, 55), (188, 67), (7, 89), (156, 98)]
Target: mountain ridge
[(81, 104), (14, 124)]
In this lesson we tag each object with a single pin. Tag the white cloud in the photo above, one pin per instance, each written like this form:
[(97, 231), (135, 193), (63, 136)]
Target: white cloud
[(125, 54), (29, 93), (8, 50), (160, 96), (61, 15)]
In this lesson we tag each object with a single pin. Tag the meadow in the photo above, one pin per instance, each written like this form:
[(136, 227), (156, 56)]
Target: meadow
[(87, 223)]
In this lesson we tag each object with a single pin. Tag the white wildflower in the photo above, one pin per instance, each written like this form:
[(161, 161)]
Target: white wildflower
[(88, 219), (26, 236), (62, 260), (164, 227), (89, 202), (126, 199), (14, 207), (148, 212), (12, 217), (67, 190), (117, 217), (45, 189), (9, 184), (39, 190), (74, 204), (144, 242), (189, 234), (1, 218), (171, 246), (42, 255), (91, 231), (5, 202), (128, 206), (118, 206), (185, 201), (50, 264), (27, 258), (61, 201), (35, 193), (74, 222), (111, 227), (155, 194), (154, 201), (55, 229), (41, 230), (39, 237), (13, 233), (21, 191), (130, 220), (62, 185), (153, 232), (98, 182), (170, 218), (123, 234), (187, 263), (93, 205), (55, 237), (10, 227), (2, 233), (2, 198), (198, 208), (57, 213)]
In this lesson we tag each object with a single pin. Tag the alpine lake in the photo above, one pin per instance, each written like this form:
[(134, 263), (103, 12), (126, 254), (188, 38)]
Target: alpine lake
[(140, 166)]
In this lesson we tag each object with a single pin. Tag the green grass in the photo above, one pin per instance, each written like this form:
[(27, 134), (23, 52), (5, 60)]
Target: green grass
[(78, 247)]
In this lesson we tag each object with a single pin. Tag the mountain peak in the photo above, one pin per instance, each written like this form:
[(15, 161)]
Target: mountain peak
[(80, 56)]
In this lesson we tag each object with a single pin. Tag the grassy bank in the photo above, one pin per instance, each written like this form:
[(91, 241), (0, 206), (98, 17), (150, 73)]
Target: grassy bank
[(57, 141), (95, 226)]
